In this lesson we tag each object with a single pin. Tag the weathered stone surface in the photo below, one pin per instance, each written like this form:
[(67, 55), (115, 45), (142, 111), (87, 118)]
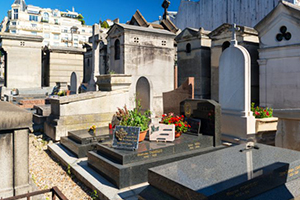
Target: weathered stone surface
[(12, 117), (226, 174), (288, 128), (110, 82), (173, 98)]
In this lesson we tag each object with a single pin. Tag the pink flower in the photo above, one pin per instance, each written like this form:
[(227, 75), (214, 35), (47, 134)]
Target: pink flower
[(256, 113), (267, 113)]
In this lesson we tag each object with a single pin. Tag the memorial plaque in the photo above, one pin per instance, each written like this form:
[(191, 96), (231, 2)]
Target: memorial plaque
[(162, 132), (195, 126), (126, 137)]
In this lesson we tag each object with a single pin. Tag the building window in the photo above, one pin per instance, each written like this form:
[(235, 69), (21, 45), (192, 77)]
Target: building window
[(33, 18), (188, 48), (33, 25), (33, 33), (56, 36), (56, 44), (13, 31), (83, 30), (65, 30), (46, 35), (46, 43), (283, 34), (14, 23), (136, 40), (225, 45), (55, 14), (163, 43), (117, 49), (66, 44), (56, 21), (45, 17), (16, 14), (75, 44)]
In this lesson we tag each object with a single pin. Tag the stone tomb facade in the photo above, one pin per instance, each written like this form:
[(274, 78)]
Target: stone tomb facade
[(14, 150), (220, 40), (22, 60), (193, 59), (59, 63), (279, 56), (148, 55), (234, 89)]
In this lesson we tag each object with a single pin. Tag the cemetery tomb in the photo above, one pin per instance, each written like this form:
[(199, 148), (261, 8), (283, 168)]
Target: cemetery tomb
[(251, 171)]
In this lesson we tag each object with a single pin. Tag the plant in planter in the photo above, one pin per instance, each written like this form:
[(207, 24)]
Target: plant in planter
[(135, 118), (260, 112), (181, 126)]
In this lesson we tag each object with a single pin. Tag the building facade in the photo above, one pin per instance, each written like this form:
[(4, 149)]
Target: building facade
[(58, 28)]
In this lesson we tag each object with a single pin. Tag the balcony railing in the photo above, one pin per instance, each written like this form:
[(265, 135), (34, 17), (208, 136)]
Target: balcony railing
[(55, 193)]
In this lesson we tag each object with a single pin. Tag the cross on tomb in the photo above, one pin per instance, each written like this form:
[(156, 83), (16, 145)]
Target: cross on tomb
[(233, 29), (166, 5)]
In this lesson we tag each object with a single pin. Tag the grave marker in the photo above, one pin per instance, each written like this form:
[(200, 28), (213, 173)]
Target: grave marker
[(126, 137), (162, 132)]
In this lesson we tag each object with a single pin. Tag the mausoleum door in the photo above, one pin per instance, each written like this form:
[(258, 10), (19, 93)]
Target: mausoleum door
[(143, 93)]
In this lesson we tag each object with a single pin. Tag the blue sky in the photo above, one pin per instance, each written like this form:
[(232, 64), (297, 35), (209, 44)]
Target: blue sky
[(93, 10)]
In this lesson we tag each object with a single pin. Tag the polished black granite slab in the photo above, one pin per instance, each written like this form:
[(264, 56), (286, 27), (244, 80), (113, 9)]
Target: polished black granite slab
[(149, 149), (80, 142), (126, 168), (227, 174)]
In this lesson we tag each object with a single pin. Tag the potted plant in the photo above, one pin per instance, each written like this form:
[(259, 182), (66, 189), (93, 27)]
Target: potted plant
[(265, 122), (181, 126), (135, 118)]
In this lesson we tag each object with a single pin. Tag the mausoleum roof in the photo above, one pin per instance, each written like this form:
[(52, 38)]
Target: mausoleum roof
[(226, 27)]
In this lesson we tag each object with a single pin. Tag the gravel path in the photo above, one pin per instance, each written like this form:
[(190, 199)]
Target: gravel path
[(46, 172)]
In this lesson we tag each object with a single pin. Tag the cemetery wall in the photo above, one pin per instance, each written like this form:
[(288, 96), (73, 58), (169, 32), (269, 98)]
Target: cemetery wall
[(210, 14)]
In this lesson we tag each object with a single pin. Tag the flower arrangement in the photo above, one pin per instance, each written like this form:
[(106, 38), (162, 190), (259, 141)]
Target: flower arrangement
[(134, 117), (92, 129), (180, 124), (260, 112)]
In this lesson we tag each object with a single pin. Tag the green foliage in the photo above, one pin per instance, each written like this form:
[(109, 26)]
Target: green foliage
[(135, 117), (112, 72), (81, 19), (104, 24), (69, 170), (94, 195), (260, 112)]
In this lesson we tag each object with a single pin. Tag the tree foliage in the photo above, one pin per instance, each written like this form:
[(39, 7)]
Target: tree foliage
[(81, 19)]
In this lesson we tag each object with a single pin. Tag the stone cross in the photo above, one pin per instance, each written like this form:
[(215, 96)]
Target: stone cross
[(166, 5), (234, 28)]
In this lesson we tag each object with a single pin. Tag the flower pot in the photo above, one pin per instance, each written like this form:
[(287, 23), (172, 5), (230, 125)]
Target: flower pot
[(177, 134), (143, 135)]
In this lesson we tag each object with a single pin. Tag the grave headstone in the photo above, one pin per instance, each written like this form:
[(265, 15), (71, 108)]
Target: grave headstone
[(234, 91), (172, 99), (126, 137), (226, 175), (205, 114), (162, 132)]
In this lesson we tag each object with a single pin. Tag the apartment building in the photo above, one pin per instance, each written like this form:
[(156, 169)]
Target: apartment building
[(58, 28)]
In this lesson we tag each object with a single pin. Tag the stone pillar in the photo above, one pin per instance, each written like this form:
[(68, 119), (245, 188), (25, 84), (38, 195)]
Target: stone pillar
[(95, 58), (14, 150)]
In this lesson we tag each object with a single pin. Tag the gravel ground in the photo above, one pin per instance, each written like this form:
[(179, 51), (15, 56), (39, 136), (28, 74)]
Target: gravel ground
[(46, 172)]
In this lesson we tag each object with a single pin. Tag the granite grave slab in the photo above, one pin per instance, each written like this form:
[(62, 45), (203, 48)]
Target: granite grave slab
[(126, 137), (126, 168), (232, 173), (80, 142)]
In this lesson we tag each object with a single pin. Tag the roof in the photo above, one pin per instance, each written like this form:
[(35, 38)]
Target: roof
[(291, 7), (225, 27), (138, 19), (189, 33), (22, 3), (141, 28), (11, 36), (59, 49), (169, 25)]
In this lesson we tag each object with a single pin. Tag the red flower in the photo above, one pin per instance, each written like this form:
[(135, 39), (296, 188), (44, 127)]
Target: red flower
[(189, 126), (110, 126), (267, 113), (257, 113), (180, 125)]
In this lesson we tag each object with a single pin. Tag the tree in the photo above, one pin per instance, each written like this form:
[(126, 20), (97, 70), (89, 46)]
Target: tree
[(104, 24), (81, 19)]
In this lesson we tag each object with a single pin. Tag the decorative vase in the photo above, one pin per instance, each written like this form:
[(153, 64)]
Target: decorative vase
[(143, 135), (177, 134)]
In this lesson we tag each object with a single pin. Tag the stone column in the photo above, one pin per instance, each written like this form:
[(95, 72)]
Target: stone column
[(14, 150), (95, 58)]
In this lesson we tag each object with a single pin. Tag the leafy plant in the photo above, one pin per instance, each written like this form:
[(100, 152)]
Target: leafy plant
[(94, 195), (112, 72), (69, 170), (134, 117), (260, 112), (80, 18), (180, 124)]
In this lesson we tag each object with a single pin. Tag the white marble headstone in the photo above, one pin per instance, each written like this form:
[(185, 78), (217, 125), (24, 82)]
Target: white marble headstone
[(234, 91)]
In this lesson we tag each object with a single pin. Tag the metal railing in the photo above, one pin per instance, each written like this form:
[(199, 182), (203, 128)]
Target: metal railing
[(55, 193)]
